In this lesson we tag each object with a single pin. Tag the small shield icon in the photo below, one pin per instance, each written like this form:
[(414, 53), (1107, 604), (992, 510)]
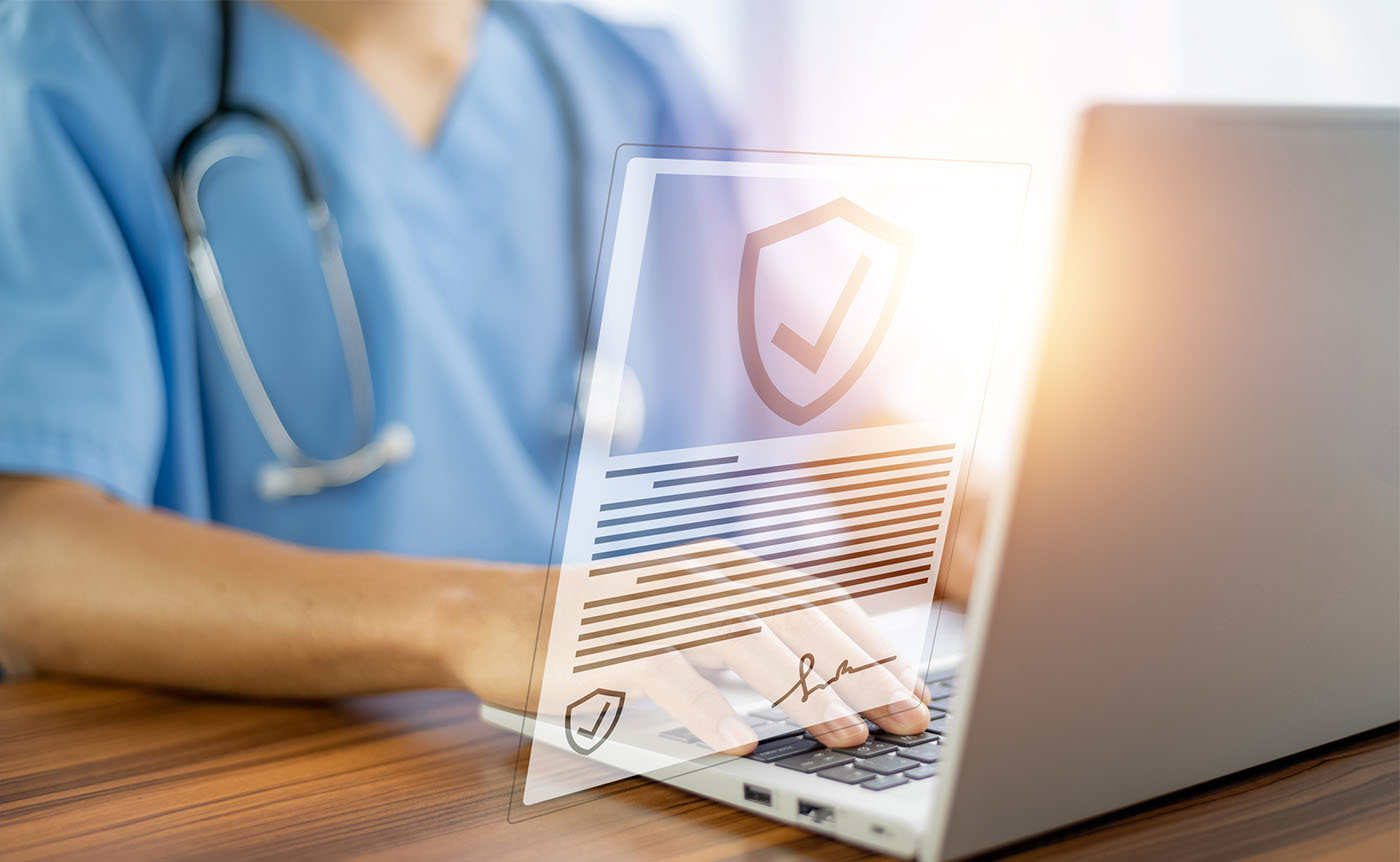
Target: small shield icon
[(807, 354), (590, 720)]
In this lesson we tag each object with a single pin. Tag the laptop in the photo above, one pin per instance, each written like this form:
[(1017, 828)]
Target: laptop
[(1195, 566)]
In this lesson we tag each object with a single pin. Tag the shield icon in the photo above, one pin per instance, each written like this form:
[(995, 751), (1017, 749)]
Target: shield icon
[(810, 355), (590, 720)]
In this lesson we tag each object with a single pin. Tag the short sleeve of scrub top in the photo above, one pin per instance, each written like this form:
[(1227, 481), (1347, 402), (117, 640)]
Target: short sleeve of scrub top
[(80, 378), (457, 252)]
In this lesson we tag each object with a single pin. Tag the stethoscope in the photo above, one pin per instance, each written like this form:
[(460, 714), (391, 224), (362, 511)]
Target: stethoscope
[(293, 472)]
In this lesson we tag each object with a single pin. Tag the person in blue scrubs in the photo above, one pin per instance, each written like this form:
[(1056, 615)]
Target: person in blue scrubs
[(133, 541)]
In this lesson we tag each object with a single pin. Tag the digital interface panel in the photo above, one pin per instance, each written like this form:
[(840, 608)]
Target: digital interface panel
[(787, 373)]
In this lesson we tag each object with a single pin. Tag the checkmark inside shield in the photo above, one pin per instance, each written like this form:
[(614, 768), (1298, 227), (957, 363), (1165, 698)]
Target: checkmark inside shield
[(589, 733), (813, 355), (808, 354)]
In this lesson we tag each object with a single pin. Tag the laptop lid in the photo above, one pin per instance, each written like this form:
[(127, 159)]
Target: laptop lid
[(1198, 569)]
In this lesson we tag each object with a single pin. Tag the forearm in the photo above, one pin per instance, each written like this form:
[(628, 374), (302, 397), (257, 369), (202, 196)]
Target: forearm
[(90, 586)]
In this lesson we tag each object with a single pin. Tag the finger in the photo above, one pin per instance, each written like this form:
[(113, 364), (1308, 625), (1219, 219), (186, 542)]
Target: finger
[(773, 670), (861, 679), (675, 686), (853, 620), (864, 679), (848, 615)]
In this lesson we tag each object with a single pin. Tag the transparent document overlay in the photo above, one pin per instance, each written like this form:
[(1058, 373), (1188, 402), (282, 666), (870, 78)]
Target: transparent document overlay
[(790, 363)]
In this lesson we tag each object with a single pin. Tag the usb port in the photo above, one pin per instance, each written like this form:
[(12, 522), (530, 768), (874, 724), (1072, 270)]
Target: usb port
[(759, 795), (816, 813)]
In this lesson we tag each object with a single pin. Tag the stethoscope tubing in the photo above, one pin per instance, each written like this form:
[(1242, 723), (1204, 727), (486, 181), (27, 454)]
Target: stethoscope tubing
[(209, 284), (294, 472)]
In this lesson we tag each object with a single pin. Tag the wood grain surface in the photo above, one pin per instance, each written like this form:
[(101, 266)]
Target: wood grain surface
[(105, 772)]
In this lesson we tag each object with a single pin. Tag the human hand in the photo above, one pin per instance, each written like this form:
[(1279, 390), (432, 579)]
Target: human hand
[(825, 664)]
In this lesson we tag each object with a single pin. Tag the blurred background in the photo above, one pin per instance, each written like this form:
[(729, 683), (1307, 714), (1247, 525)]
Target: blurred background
[(1006, 80)]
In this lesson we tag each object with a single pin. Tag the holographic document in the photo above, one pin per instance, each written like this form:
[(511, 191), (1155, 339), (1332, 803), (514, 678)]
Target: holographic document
[(789, 358)]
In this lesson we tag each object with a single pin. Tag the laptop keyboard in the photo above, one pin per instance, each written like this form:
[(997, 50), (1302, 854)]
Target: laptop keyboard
[(883, 761)]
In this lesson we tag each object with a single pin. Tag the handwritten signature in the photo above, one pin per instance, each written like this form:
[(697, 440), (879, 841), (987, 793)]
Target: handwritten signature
[(804, 670)]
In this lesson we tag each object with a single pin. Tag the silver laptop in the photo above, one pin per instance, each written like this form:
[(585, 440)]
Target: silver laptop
[(1196, 566)]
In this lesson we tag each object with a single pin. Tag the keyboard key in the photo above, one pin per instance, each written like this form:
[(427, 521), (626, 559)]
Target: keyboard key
[(815, 761), (769, 713), (847, 774), (906, 741), (937, 724), (776, 749), (888, 764), (869, 748), (929, 752), (918, 773), (941, 688), (679, 734), (885, 782)]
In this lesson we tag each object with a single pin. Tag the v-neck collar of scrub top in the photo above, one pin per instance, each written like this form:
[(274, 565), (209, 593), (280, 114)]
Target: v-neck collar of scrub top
[(456, 260), (284, 68), (313, 72)]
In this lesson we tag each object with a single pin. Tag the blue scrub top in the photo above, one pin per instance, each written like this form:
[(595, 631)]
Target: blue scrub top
[(458, 253)]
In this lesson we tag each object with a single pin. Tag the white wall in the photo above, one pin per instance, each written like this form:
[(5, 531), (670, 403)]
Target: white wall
[(1005, 79), (850, 73)]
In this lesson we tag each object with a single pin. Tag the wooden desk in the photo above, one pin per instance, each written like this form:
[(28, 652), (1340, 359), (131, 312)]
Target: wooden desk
[(118, 773)]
